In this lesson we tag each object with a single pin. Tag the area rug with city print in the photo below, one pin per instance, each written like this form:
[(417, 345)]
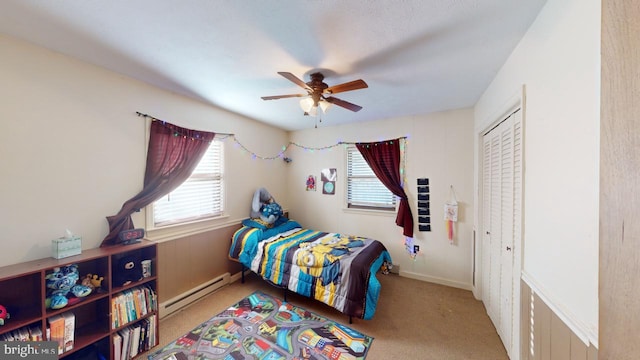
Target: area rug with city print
[(264, 327)]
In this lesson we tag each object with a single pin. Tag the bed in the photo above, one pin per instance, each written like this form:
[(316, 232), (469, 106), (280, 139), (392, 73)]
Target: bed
[(338, 270)]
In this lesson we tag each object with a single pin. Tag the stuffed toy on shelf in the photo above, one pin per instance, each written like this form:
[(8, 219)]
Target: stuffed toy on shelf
[(61, 284), (128, 270), (4, 315)]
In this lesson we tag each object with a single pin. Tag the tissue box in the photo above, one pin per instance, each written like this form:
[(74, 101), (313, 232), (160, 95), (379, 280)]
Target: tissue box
[(65, 247)]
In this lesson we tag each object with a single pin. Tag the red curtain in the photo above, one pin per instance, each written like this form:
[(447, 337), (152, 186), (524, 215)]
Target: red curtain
[(173, 154), (384, 159)]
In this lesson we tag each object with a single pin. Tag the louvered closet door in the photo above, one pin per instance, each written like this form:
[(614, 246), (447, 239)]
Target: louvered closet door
[(486, 225), (502, 205), (492, 241)]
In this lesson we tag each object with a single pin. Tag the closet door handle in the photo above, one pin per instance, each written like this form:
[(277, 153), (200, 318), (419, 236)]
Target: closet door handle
[(508, 248)]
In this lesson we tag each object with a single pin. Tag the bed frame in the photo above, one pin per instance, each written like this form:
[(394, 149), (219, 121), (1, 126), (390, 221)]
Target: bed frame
[(335, 269)]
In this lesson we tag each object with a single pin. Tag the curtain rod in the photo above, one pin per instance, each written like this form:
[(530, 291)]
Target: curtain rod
[(231, 134), (370, 142), (154, 118)]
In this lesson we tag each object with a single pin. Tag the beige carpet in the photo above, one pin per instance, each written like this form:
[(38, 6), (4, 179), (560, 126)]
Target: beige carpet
[(414, 319)]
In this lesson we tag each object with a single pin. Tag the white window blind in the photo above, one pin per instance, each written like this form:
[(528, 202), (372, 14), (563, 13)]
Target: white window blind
[(199, 197), (364, 190)]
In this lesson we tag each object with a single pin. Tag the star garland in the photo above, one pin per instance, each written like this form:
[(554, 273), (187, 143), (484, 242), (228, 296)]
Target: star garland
[(284, 148)]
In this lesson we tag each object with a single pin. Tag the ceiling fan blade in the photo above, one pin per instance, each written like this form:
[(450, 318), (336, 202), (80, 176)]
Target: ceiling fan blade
[(282, 96), (345, 104), (351, 85), (294, 79)]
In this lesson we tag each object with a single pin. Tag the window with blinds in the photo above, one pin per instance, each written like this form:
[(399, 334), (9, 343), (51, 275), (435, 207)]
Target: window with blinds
[(364, 190), (199, 197)]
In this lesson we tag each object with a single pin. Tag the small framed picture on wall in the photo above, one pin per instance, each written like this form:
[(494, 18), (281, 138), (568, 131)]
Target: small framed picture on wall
[(328, 177), (311, 183)]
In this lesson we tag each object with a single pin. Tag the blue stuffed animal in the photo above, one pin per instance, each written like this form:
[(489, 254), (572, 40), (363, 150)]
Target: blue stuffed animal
[(60, 283), (264, 207)]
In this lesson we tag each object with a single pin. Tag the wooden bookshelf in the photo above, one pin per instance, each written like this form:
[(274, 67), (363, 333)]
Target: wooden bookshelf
[(23, 292)]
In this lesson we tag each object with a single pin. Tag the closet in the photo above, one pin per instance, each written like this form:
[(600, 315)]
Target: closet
[(501, 232)]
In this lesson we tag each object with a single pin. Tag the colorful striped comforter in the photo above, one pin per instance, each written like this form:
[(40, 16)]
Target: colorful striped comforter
[(336, 269)]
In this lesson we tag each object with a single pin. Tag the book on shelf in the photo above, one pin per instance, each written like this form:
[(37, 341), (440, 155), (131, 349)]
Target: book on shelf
[(114, 320), (117, 346), (56, 326), (7, 336), (69, 330), (35, 333), (132, 315), (142, 344), (126, 339), (23, 333), (153, 337), (135, 339), (149, 333)]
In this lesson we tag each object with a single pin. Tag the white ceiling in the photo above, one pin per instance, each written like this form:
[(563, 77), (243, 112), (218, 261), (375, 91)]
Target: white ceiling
[(417, 56)]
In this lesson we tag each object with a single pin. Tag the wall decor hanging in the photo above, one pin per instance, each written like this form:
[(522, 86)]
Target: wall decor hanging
[(311, 183), (411, 247), (328, 177), (451, 214), (424, 213)]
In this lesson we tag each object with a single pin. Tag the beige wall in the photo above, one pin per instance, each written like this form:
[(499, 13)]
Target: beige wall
[(72, 149), (558, 61), (440, 147), (194, 260)]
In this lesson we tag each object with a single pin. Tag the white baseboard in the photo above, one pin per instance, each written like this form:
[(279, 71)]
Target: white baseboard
[(436, 280), (187, 297), (238, 276)]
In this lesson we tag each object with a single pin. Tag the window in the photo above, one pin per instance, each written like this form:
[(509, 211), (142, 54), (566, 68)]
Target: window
[(364, 190), (199, 197)]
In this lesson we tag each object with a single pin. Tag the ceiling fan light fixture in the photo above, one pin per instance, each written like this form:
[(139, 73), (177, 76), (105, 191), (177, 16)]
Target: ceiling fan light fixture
[(316, 90), (313, 111), (306, 104), (324, 105)]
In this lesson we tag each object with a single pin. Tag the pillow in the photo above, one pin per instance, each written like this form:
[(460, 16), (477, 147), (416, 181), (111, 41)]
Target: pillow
[(263, 225), (282, 225), (256, 223)]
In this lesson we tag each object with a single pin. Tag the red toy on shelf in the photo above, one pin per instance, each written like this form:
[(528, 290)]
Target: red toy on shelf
[(4, 315)]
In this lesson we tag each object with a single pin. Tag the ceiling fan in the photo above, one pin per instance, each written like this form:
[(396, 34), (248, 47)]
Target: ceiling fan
[(319, 93)]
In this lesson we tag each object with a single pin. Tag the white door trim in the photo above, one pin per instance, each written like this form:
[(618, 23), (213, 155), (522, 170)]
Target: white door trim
[(518, 101)]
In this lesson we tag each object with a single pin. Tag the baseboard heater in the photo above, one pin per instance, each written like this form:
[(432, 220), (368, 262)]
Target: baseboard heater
[(187, 297)]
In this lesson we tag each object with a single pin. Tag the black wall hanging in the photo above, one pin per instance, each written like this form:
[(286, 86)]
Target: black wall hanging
[(424, 214)]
